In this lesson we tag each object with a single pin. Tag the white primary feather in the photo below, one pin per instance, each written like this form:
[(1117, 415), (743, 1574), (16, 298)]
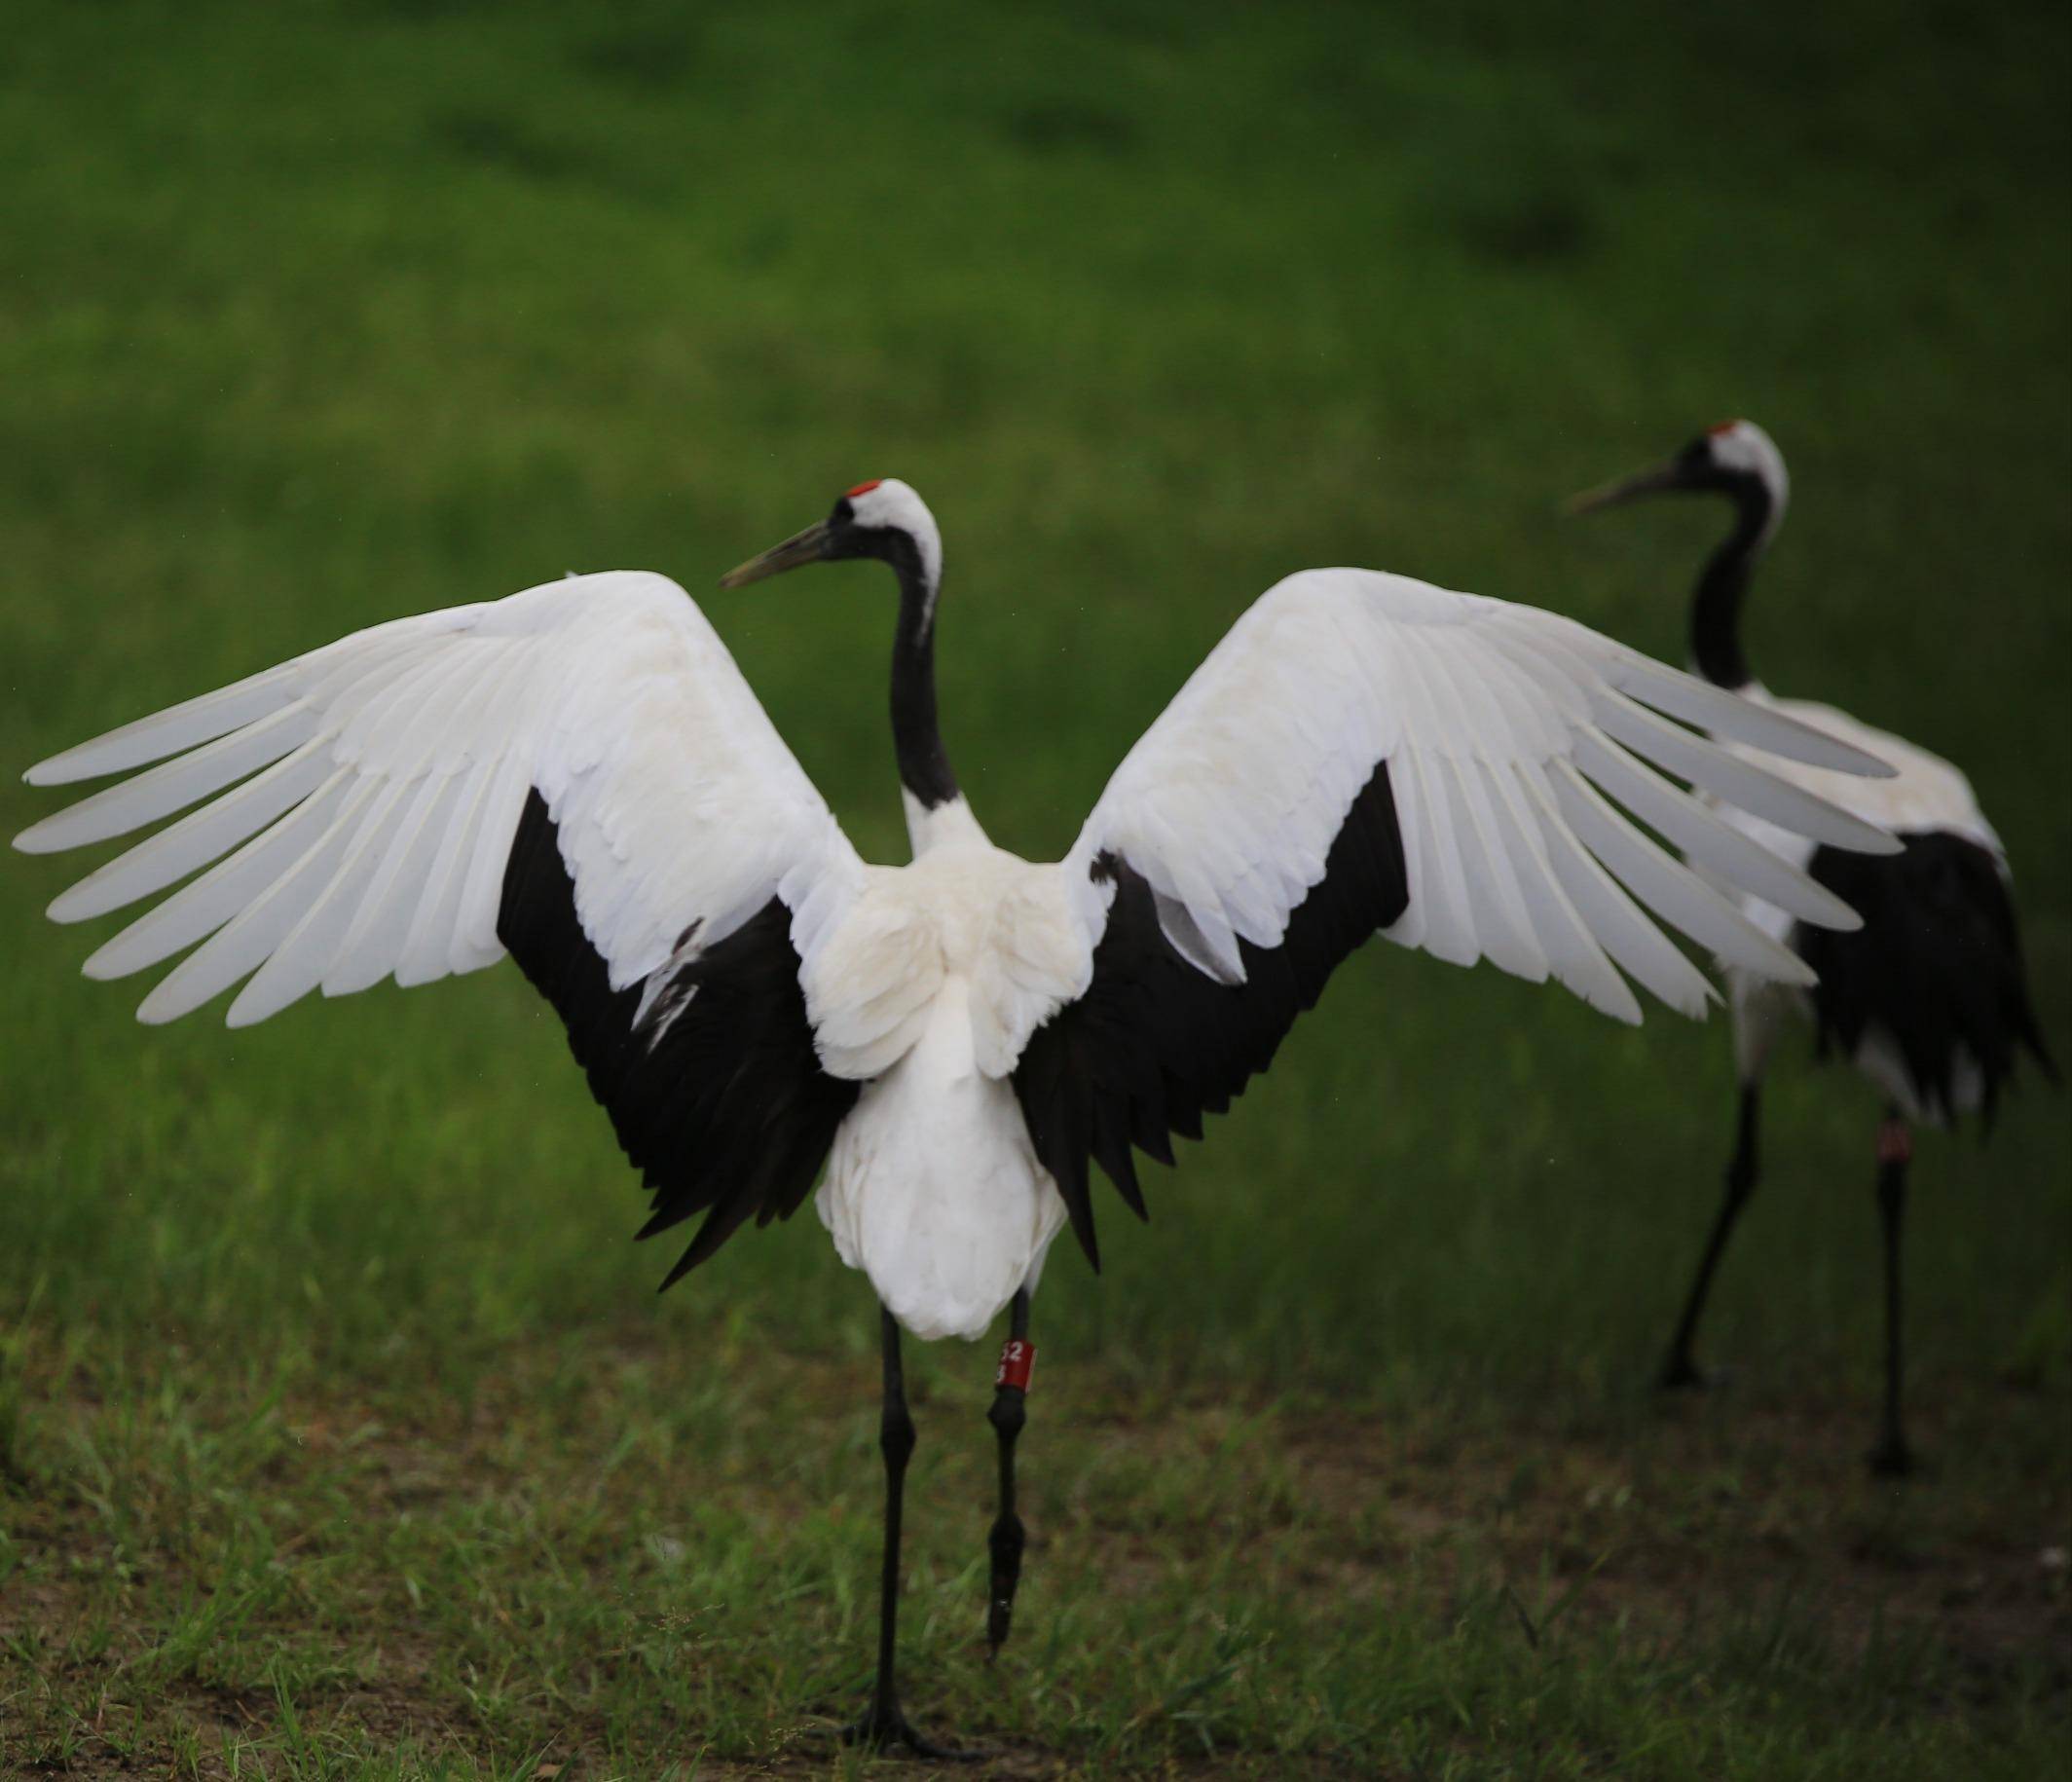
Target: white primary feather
[(206, 834), (1503, 729), (389, 771), (182, 727), (174, 785)]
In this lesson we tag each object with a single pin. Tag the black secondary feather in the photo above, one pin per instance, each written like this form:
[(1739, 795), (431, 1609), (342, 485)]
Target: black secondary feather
[(1155, 1044), (1936, 965), (718, 1097)]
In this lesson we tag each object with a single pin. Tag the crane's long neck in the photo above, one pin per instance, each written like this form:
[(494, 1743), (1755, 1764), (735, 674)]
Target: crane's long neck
[(1716, 614), (924, 764)]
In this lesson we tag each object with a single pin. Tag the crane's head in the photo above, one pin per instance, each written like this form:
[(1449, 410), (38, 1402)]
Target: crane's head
[(1736, 459), (883, 519)]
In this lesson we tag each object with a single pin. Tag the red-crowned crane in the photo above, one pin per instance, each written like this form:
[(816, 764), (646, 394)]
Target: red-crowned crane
[(579, 774), (1927, 999)]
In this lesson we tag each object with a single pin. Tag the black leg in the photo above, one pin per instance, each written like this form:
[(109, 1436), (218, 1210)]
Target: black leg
[(1678, 1369), (1008, 1413), (1891, 1457), (884, 1723)]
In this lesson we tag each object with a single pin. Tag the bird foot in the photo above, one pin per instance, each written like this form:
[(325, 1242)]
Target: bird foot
[(1892, 1459), (884, 1728), (1681, 1374)]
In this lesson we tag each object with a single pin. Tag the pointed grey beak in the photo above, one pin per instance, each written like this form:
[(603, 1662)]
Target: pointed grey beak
[(808, 546), (1658, 480)]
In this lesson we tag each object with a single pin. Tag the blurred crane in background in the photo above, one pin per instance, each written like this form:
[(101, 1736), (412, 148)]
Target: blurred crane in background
[(1927, 999), (580, 775)]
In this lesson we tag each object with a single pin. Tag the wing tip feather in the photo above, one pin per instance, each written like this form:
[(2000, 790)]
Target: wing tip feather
[(1847, 757), (37, 837), (249, 1011), (1845, 918), (60, 769), (1783, 966)]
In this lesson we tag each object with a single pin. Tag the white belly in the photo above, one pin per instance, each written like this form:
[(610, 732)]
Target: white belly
[(931, 1189)]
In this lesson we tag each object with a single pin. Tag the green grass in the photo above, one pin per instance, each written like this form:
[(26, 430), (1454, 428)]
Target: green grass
[(339, 1431)]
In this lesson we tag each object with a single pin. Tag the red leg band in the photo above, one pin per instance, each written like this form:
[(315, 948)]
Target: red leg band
[(1017, 1362), (1895, 1143)]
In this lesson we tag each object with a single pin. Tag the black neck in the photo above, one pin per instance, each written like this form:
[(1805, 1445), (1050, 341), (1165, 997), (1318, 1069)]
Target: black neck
[(924, 765), (1716, 615)]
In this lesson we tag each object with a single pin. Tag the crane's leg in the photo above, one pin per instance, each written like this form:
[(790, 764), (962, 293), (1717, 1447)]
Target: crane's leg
[(1010, 1388), (1891, 1457), (883, 1724), (1678, 1369)]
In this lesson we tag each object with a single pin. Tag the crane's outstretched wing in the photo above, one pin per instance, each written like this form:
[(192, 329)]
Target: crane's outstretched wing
[(579, 774), (1365, 751)]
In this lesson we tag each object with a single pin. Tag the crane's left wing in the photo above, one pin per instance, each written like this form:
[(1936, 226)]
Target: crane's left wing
[(579, 773), (1363, 752)]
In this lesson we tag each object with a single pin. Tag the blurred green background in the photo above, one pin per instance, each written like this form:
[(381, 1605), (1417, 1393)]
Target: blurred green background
[(313, 315)]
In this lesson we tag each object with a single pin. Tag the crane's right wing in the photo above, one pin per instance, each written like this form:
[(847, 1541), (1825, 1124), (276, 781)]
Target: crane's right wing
[(579, 774), (1363, 752)]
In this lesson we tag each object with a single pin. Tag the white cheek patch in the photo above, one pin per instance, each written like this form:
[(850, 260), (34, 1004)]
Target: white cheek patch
[(892, 503), (1744, 447)]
